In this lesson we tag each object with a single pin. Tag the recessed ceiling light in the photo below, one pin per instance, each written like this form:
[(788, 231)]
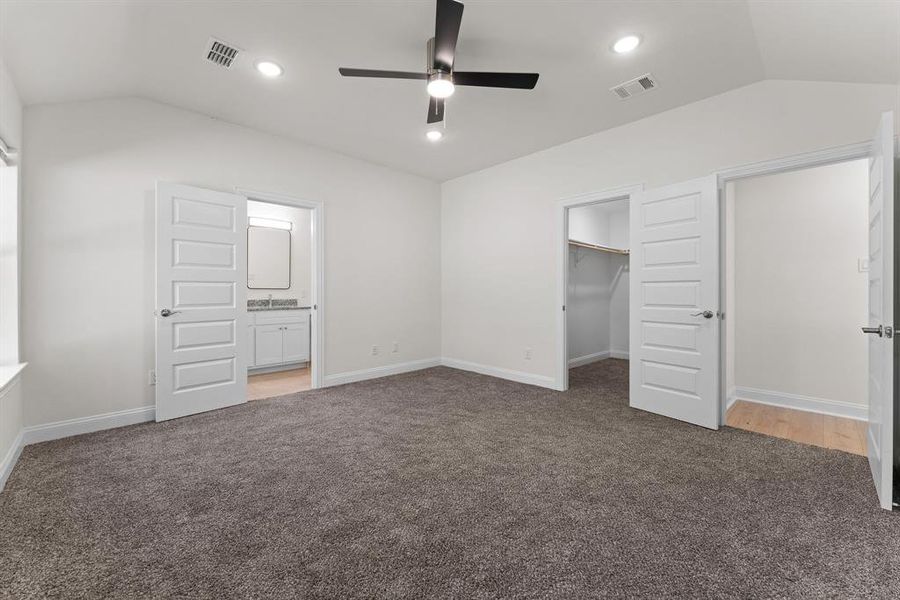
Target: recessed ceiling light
[(440, 85), (269, 68), (434, 135), (626, 44)]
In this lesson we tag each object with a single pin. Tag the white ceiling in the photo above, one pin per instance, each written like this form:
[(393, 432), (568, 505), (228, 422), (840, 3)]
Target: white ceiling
[(74, 49)]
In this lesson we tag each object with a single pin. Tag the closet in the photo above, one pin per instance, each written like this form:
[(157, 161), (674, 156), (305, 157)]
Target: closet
[(597, 286)]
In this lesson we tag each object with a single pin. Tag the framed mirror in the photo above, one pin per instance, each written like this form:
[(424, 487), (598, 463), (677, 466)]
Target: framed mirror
[(268, 258)]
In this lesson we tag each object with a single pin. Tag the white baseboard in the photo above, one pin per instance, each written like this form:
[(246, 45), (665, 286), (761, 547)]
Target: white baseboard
[(501, 373), (588, 359), (623, 354), (823, 406), (60, 429), (730, 398), (9, 461), (376, 372)]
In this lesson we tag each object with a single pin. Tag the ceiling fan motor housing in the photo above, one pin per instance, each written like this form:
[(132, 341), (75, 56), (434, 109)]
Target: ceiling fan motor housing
[(429, 58)]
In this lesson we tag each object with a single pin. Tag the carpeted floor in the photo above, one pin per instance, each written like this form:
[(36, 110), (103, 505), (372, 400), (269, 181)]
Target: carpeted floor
[(442, 484)]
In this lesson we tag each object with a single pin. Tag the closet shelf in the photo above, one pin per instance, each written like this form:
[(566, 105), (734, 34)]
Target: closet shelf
[(600, 248)]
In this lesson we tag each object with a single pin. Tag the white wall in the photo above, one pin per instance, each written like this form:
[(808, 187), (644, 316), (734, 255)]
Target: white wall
[(587, 304), (301, 250), (11, 424), (10, 109), (619, 234), (11, 399), (799, 296), (597, 294), (89, 245), (498, 259)]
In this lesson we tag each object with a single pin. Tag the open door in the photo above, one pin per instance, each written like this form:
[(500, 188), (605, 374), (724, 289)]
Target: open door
[(201, 300), (880, 436), (674, 303)]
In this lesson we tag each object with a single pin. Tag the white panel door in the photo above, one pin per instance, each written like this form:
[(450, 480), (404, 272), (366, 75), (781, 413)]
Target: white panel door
[(296, 342), (674, 302), (880, 437), (201, 300)]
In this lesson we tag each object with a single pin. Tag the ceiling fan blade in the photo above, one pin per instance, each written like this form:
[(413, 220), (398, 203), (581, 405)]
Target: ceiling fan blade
[(435, 110), (381, 74), (446, 31), (521, 81)]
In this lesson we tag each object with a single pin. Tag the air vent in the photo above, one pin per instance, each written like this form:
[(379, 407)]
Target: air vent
[(636, 86), (221, 53)]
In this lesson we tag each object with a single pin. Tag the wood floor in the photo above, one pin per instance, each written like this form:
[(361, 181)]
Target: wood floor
[(269, 385), (825, 431)]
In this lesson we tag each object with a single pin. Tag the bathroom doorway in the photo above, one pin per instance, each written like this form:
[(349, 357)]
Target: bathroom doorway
[(282, 291)]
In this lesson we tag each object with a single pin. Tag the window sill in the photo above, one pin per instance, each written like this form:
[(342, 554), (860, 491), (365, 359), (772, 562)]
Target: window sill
[(9, 374)]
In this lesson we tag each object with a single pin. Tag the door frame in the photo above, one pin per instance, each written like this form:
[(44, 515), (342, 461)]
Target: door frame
[(795, 162), (561, 381), (317, 322)]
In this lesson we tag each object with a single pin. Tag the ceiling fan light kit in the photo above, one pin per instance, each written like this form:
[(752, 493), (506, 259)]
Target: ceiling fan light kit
[(440, 56), (440, 85)]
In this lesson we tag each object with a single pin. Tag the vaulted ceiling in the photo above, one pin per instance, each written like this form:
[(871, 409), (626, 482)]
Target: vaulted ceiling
[(69, 50)]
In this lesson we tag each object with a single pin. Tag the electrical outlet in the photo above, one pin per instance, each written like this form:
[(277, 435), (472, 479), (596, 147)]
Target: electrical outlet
[(374, 350), (527, 353), (395, 348), (152, 377)]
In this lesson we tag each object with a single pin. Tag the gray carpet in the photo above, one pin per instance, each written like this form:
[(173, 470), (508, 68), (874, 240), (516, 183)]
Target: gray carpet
[(443, 484)]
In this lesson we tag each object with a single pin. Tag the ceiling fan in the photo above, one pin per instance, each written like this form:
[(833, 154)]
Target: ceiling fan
[(440, 55)]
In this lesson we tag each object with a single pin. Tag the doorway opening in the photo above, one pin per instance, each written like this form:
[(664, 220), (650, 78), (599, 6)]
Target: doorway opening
[(795, 295), (595, 257), (282, 292)]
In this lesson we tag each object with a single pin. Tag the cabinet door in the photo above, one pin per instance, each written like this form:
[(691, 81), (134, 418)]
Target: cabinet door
[(251, 344), (268, 344), (296, 342)]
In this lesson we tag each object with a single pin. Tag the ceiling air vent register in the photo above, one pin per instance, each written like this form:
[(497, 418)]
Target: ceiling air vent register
[(636, 86), (221, 53)]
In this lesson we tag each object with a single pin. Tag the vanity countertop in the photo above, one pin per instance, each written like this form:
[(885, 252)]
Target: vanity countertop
[(266, 304)]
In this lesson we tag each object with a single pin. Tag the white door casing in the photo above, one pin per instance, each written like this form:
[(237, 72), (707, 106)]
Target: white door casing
[(201, 266), (317, 291), (674, 302), (880, 437)]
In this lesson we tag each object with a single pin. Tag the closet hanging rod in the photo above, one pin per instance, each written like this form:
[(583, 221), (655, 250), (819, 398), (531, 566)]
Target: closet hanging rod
[(599, 247)]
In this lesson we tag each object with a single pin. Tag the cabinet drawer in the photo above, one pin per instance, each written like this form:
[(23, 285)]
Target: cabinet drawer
[(281, 317)]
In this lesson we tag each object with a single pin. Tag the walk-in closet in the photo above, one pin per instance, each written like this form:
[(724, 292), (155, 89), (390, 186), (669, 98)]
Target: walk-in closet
[(597, 286)]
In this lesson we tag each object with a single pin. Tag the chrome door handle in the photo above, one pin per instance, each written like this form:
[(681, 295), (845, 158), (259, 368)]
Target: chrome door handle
[(876, 330), (706, 314), (168, 313)]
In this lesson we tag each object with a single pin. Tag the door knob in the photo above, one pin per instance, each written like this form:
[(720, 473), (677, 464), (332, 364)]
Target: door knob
[(706, 314), (879, 331), (167, 313)]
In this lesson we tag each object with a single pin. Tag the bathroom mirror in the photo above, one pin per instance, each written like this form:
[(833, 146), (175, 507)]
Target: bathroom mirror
[(268, 258)]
